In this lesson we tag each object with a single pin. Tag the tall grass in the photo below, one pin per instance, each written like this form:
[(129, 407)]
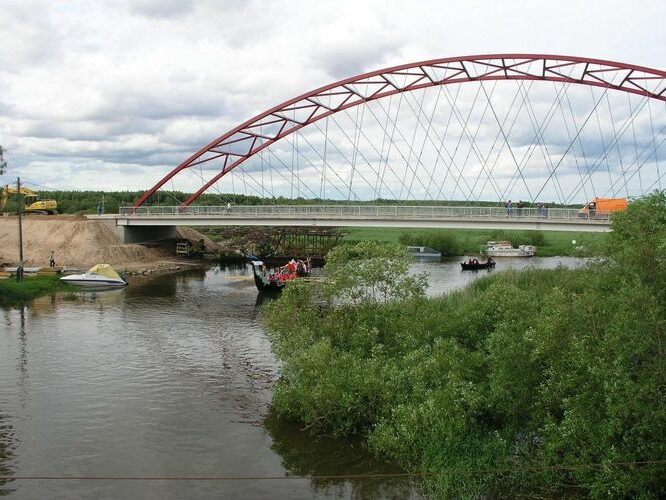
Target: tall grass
[(13, 292)]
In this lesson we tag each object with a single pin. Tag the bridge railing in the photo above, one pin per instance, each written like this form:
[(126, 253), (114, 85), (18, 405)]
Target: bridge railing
[(362, 211)]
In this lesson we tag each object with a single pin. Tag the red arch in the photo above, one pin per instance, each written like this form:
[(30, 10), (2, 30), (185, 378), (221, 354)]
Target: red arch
[(250, 137)]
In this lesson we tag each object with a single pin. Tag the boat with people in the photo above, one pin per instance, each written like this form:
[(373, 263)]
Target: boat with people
[(474, 264), (99, 276), (274, 280), (505, 249)]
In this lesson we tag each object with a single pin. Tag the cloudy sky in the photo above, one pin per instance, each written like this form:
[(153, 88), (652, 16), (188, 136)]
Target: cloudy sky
[(112, 94)]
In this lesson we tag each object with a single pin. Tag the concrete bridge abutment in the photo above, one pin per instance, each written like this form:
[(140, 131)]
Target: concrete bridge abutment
[(137, 234)]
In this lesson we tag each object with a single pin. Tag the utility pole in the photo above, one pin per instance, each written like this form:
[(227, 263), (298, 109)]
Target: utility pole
[(19, 270)]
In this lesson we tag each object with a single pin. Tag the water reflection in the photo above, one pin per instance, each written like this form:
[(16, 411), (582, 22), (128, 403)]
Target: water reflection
[(7, 434), (23, 348), (7, 447), (265, 298), (306, 455)]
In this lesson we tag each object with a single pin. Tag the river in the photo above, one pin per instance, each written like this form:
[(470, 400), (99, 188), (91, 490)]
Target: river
[(171, 378)]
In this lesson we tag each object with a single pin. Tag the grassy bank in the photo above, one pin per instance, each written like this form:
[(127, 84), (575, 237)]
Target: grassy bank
[(540, 383), (469, 241), (13, 292)]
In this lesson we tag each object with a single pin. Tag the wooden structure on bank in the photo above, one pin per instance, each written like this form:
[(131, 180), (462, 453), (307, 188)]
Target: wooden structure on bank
[(304, 241), (290, 241)]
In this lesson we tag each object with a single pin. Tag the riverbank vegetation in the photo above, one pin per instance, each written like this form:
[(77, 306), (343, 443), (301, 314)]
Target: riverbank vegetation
[(13, 292), (470, 241), (547, 382)]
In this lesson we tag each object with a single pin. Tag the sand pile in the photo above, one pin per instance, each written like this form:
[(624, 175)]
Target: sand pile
[(187, 233), (79, 242)]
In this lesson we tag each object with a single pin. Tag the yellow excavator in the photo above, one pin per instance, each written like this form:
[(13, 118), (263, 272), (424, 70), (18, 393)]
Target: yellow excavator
[(36, 206)]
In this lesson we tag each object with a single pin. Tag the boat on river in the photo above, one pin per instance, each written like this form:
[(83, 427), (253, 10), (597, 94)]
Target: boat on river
[(475, 265), (274, 280), (505, 249), (99, 276)]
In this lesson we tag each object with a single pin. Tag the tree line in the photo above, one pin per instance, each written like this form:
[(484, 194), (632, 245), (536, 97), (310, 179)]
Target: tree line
[(86, 202)]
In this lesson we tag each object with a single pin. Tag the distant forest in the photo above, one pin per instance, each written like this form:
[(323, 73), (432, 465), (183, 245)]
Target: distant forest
[(85, 202)]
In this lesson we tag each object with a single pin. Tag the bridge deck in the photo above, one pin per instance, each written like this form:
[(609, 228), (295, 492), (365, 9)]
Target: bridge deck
[(558, 219)]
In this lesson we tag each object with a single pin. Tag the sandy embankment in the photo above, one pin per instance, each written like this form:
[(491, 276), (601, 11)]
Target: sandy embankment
[(82, 243)]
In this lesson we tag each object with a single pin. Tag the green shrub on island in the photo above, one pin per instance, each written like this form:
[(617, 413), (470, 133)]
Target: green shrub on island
[(545, 382), (444, 242), (12, 292), (370, 272)]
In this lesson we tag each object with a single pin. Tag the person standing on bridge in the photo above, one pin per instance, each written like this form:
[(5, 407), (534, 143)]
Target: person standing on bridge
[(509, 208), (229, 207)]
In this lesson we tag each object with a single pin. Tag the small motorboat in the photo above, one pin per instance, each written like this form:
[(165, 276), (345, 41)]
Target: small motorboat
[(99, 276), (475, 265)]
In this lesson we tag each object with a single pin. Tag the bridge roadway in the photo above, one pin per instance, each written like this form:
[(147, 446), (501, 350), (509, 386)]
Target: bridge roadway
[(149, 223)]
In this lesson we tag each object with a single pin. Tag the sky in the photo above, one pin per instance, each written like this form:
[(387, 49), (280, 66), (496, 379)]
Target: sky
[(112, 94)]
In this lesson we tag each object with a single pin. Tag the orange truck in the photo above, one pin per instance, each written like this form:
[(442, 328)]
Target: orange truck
[(601, 208)]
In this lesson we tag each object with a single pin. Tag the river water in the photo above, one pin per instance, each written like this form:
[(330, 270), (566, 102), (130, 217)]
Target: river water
[(170, 378)]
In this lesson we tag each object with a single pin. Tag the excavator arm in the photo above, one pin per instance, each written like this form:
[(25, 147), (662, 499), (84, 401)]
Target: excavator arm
[(48, 206)]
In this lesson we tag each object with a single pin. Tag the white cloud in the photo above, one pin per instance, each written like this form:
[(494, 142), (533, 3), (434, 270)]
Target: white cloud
[(87, 87), (161, 8)]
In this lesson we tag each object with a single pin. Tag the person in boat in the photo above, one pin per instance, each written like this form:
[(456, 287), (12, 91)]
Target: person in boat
[(264, 276), (489, 261), (292, 266)]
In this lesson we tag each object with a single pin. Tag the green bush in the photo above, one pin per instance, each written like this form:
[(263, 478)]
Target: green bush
[(523, 383), (535, 238), (444, 242)]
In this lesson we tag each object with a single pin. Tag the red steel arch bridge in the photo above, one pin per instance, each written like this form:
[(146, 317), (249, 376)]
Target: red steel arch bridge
[(551, 129)]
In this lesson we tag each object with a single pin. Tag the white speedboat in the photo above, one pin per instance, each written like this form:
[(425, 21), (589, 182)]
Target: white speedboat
[(99, 276), (505, 249)]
